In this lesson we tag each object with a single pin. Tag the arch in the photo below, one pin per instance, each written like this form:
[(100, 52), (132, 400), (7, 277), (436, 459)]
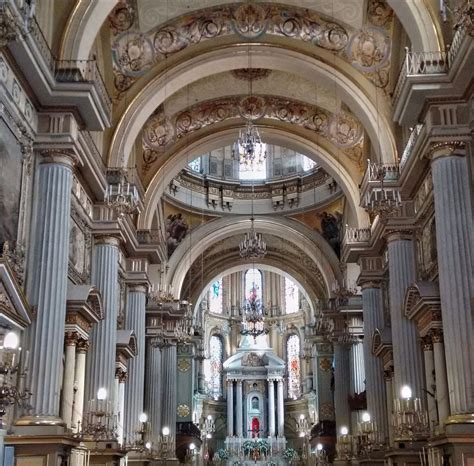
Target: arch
[(419, 25), (267, 56), (272, 135), (310, 241), (82, 28), (289, 272)]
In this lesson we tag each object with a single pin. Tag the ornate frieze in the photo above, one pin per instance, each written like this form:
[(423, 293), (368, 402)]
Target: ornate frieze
[(161, 131), (135, 52)]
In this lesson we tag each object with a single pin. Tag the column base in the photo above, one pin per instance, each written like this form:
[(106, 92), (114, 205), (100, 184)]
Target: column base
[(457, 446), (404, 457), (40, 421), (376, 458)]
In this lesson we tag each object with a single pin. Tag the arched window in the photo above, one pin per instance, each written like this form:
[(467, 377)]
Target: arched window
[(195, 165), (215, 297), (294, 366), (253, 285), (291, 297), (255, 403), (213, 368)]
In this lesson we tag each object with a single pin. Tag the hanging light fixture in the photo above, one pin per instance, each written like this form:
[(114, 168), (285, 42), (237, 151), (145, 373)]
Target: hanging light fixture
[(252, 246), (253, 322), (249, 148)]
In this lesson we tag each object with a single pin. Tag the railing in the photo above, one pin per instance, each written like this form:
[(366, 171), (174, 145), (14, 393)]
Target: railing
[(82, 71), (357, 235), (41, 42), (150, 237), (374, 170), (410, 144)]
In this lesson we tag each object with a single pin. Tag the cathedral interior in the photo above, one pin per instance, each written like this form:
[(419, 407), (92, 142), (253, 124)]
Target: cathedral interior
[(236, 233)]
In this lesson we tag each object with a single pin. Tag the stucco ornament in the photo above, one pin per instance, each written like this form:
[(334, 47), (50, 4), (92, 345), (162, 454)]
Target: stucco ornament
[(160, 132)]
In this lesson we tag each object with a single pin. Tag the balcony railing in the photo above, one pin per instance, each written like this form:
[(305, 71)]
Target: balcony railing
[(357, 235), (410, 145), (432, 63), (85, 71)]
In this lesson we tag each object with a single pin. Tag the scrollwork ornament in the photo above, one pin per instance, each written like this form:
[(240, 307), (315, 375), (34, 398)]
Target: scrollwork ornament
[(8, 27), (122, 18), (249, 21), (379, 13), (369, 49)]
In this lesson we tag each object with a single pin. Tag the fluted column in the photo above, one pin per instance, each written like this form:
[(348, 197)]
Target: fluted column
[(134, 390), (281, 409), (374, 377), (388, 377), (230, 408), (153, 387), (120, 379), (47, 282), (357, 367), (67, 401), (239, 413), (454, 236), (430, 380), (442, 396), (100, 367), (341, 384), (169, 394), (407, 354), (80, 380), (271, 408)]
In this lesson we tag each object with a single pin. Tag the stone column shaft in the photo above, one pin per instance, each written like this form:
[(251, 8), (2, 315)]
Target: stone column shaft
[(271, 408), (101, 361), (357, 367), (239, 413), (407, 354), (454, 236), (120, 399), (68, 379), (442, 395), (134, 390), (341, 384), (153, 388), (374, 376), (80, 379), (281, 409), (47, 285), (170, 390), (390, 397), (430, 382), (230, 408)]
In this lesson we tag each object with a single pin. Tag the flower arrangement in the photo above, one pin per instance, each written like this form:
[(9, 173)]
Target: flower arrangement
[(222, 454), (290, 454), (260, 446)]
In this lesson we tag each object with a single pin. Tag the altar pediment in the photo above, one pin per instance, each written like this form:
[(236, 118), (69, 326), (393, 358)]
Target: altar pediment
[(245, 360)]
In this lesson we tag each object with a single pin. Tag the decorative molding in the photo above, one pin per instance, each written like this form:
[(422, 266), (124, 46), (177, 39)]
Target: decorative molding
[(161, 132), (183, 410), (134, 52), (251, 74)]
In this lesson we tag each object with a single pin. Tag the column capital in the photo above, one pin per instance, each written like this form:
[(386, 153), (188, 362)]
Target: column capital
[(437, 335), (71, 338), (427, 343), (451, 148), (388, 374), (59, 157), (107, 240), (137, 288), (121, 375), (399, 234), (83, 345)]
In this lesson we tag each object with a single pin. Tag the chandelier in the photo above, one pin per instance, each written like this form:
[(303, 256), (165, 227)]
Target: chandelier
[(249, 147), (252, 246), (253, 323), (121, 195)]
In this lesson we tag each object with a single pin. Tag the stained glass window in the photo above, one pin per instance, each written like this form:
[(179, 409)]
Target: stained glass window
[(215, 297), (294, 366), (195, 165), (253, 285), (291, 297), (213, 368)]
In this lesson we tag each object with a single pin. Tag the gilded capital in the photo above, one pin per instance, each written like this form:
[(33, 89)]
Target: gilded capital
[(427, 343), (437, 335), (71, 338), (446, 149), (141, 288), (399, 235), (83, 346), (107, 239)]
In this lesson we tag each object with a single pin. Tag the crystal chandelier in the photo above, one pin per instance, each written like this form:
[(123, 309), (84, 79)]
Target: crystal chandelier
[(253, 323), (249, 147), (252, 246), (121, 195)]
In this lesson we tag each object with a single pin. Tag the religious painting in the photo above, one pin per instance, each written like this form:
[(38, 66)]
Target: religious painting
[(176, 229), (10, 187)]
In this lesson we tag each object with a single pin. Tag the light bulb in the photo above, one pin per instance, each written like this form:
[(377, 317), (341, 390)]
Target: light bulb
[(166, 431), (405, 392), (209, 417), (143, 418), (148, 445), (208, 435), (192, 446), (101, 394), (366, 417), (344, 430), (301, 416), (11, 341), (319, 446), (301, 434)]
